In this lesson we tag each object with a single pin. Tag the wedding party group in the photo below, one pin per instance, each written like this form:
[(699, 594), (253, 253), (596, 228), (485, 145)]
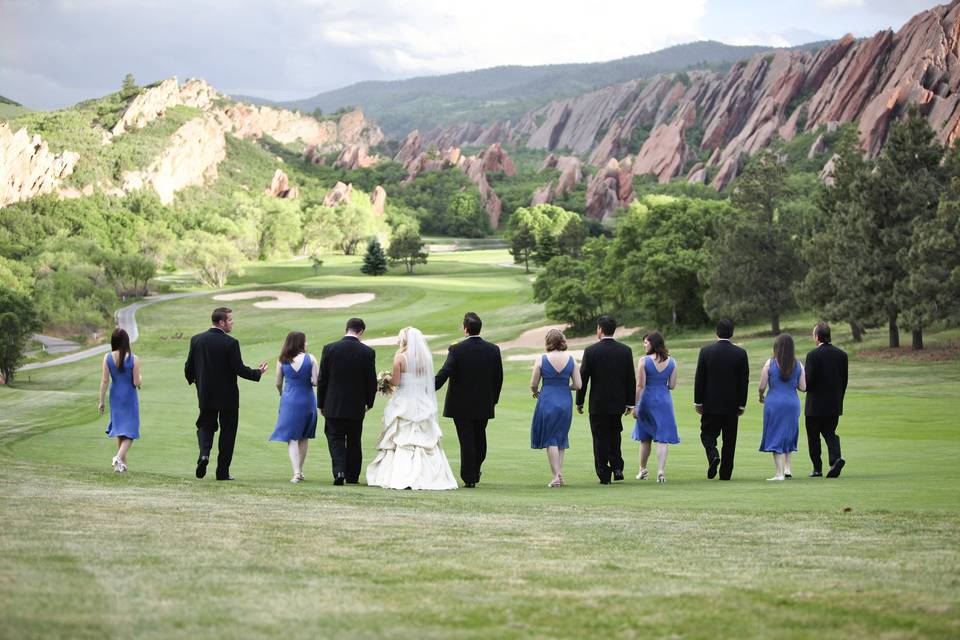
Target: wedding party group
[(342, 385)]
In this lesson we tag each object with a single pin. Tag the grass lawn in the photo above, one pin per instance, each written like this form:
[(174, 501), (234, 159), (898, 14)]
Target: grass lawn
[(156, 553)]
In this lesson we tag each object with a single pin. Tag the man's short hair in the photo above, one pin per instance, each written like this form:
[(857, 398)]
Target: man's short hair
[(220, 315), (472, 323), (607, 324), (725, 329), (822, 331), (356, 325)]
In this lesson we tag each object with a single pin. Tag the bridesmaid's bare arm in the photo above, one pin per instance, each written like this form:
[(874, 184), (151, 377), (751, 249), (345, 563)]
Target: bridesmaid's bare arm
[(104, 383), (672, 382), (535, 379), (137, 379), (577, 381)]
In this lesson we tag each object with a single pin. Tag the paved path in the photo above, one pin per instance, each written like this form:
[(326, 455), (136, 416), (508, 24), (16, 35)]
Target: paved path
[(55, 345), (126, 320)]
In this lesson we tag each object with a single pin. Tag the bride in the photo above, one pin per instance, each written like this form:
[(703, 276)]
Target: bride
[(409, 455)]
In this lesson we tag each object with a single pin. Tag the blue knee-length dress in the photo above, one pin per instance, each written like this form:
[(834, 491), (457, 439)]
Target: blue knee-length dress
[(124, 403), (297, 418), (781, 411), (655, 417), (554, 412)]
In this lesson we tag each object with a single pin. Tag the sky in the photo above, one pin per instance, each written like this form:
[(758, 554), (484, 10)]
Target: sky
[(54, 53)]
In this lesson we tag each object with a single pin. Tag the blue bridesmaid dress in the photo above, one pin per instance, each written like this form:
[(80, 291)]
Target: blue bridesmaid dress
[(297, 418), (554, 413), (655, 418), (124, 403), (781, 411)]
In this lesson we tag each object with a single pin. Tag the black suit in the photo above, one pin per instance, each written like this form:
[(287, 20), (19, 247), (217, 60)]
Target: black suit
[(609, 364), (720, 387), (214, 363), (346, 388), (826, 373), (475, 371)]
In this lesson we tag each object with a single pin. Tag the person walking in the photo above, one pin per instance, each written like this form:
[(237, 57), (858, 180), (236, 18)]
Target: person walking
[(826, 375), (656, 378), (475, 371), (214, 363), (720, 397), (550, 427), (781, 407), (346, 389), (609, 365), (121, 373), (297, 373)]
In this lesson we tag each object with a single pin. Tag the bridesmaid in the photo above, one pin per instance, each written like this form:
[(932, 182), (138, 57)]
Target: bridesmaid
[(554, 412), (297, 373), (122, 368), (781, 407), (656, 377)]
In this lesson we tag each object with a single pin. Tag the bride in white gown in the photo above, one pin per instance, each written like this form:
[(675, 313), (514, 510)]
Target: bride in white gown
[(409, 455)]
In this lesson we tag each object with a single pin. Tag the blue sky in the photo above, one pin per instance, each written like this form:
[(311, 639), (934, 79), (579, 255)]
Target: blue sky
[(57, 52)]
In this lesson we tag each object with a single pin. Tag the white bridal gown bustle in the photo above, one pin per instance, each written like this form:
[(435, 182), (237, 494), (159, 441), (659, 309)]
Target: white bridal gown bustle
[(409, 454)]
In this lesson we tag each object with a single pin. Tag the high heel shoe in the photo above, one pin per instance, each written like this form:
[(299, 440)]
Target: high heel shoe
[(121, 468), (775, 479), (115, 463), (556, 482), (661, 479), (642, 475)]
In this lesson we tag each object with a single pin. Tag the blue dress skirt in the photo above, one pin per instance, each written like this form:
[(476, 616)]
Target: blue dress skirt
[(655, 418), (297, 418), (124, 403), (554, 412), (781, 411)]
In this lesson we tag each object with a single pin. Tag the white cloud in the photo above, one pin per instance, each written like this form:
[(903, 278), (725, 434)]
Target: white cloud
[(432, 36)]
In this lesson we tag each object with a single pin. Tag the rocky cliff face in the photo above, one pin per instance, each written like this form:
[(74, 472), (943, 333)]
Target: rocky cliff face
[(28, 168), (722, 119)]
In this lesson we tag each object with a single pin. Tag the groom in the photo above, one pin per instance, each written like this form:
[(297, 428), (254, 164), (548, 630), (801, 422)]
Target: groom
[(475, 371), (346, 388)]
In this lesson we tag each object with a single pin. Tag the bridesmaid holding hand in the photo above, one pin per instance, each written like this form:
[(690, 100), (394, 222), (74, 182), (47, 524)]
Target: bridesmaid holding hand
[(122, 368)]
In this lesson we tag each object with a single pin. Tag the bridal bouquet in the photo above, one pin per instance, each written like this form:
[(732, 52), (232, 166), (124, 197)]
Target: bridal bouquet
[(384, 386)]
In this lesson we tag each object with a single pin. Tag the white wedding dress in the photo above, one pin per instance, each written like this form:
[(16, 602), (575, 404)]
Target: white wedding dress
[(409, 455)]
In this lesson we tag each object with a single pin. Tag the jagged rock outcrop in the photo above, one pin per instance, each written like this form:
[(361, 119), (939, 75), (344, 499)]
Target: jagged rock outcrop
[(153, 102), (354, 129), (28, 168), (354, 156), (341, 193), (410, 149), (378, 200), (571, 174), (697, 174), (665, 152), (280, 186), (543, 195), (190, 159), (610, 188)]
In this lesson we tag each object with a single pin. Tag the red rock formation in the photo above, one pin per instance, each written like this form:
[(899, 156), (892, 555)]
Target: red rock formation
[(355, 156), (610, 188), (665, 152), (410, 149), (280, 186), (496, 160), (341, 193), (28, 168), (543, 195), (378, 200)]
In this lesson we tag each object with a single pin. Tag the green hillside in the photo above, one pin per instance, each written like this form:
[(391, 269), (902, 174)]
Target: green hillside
[(507, 92), (10, 109)]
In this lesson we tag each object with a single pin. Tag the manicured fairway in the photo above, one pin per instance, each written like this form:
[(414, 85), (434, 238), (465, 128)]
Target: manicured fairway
[(156, 553)]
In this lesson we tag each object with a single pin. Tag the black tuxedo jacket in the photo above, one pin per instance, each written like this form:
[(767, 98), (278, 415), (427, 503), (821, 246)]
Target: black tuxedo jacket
[(609, 365), (826, 372), (347, 385), (475, 370), (722, 378), (214, 363)]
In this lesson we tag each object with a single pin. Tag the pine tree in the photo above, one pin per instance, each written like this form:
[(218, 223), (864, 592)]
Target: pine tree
[(522, 244), (903, 192), (374, 260)]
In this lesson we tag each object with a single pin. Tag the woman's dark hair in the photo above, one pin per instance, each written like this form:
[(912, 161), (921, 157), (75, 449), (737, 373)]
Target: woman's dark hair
[(120, 342), (784, 353), (294, 345), (657, 346)]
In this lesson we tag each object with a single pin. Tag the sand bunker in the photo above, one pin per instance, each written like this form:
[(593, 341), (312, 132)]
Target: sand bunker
[(291, 300), (533, 338)]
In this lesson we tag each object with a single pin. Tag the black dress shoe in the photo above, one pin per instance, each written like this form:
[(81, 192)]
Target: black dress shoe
[(602, 481), (226, 478), (202, 466), (712, 469), (836, 468), (339, 479), (469, 485), (618, 475), (815, 474), (353, 482)]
